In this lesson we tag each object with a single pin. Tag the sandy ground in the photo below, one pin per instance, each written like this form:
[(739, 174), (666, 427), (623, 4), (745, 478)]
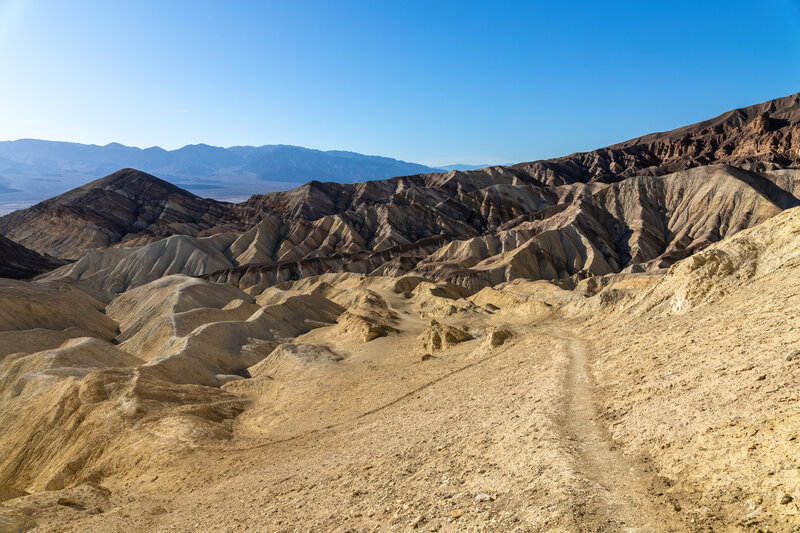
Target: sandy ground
[(713, 396), (596, 414), (478, 438)]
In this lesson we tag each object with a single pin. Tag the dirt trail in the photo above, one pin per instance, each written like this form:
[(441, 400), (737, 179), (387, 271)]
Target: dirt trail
[(516, 425), (616, 492)]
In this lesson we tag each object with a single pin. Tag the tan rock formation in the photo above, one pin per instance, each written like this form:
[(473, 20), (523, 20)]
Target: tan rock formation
[(607, 341)]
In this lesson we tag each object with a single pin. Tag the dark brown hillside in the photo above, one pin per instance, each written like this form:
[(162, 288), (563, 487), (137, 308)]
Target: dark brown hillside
[(17, 262), (125, 205)]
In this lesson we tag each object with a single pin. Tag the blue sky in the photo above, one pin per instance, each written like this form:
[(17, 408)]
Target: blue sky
[(425, 81)]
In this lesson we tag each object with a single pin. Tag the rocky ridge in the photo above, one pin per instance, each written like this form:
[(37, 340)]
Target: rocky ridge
[(396, 353), (755, 146)]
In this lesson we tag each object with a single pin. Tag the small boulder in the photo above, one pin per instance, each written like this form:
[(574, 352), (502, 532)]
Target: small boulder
[(498, 336)]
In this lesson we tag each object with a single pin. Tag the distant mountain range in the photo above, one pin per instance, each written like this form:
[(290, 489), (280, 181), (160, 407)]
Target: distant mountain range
[(32, 169), (463, 168), (269, 163), (640, 204)]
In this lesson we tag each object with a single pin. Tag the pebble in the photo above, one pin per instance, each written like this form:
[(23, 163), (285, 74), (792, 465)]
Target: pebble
[(786, 499), (483, 498)]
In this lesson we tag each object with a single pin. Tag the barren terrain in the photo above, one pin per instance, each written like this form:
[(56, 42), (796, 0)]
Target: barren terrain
[(457, 352)]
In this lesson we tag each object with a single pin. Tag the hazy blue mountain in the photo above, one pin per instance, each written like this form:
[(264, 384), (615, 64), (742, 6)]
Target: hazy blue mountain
[(293, 163), (5, 187), (461, 167), (470, 167), (7, 165), (32, 170), (282, 163)]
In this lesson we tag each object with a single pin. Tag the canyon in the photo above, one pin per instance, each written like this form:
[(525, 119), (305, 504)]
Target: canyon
[(607, 341)]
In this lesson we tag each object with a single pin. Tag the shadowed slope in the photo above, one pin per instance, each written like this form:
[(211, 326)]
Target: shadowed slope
[(18, 262)]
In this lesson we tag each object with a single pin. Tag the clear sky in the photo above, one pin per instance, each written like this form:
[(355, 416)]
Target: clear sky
[(428, 81)]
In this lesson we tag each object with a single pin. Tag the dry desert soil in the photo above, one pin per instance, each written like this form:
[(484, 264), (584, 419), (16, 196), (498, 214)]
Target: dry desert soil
[(605, 342)]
